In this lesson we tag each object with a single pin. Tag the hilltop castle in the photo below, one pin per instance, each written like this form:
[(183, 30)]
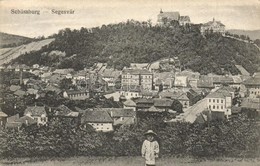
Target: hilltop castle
[(212, 26), (165, 18)]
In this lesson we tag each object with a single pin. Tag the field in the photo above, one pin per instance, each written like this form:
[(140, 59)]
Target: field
[(127, 161)]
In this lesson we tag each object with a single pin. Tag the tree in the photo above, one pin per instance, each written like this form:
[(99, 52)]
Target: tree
[(66, 83)]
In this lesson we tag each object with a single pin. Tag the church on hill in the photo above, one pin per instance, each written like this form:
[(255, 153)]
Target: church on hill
[(166, 18)]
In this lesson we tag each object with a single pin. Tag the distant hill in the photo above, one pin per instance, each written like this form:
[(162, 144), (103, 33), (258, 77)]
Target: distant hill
[(9, 40), (254, 34), (120, 44), (8, 54)]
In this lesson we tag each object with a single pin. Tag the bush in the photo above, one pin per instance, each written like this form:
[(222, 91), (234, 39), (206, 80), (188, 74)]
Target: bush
[(238, 137)]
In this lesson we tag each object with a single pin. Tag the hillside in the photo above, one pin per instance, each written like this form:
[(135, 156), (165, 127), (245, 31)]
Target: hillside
[(8, 40), (8, 54), (254, 34), (136, 42)]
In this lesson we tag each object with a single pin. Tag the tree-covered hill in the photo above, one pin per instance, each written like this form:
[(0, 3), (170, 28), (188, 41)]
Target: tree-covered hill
[(133, 41), (8, 40)]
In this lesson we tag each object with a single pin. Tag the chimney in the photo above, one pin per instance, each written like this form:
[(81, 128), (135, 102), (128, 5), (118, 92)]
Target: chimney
[(21, 77)]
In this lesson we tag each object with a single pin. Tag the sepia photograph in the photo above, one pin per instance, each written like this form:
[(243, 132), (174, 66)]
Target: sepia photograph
[(130, 83)]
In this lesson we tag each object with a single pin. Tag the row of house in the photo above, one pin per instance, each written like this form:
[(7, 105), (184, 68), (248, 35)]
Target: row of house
[(101, 119)]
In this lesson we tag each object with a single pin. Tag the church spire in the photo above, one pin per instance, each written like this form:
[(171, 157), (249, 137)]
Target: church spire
[(161, 11)]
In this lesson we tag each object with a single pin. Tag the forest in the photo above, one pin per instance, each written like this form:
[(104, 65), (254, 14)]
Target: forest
[(132, 41)]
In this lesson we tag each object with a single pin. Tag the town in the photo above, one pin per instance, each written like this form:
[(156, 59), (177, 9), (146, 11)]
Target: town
[(138, 90), (95, 91)]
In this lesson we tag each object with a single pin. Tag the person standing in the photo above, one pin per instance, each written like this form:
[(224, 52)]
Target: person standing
[(150, 148)]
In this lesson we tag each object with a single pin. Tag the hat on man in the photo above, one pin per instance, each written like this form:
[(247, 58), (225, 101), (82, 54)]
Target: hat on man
[(150, 132)]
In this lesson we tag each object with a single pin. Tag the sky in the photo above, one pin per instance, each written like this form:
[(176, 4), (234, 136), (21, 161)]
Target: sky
[(235, 14)]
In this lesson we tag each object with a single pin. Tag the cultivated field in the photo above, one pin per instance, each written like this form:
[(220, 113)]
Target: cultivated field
[(127, 161), (8, 54)]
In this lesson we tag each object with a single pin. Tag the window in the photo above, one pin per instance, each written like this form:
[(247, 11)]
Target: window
[(209, 106), (213, 107), (217, 100), (217, 107), (221, 107), (213, 100), (221, 101), (209, 100)]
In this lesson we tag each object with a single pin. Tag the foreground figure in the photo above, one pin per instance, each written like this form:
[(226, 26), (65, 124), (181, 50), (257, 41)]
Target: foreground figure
[(150, 148)]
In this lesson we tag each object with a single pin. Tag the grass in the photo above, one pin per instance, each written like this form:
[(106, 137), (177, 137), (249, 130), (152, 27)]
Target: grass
[(126, 161)]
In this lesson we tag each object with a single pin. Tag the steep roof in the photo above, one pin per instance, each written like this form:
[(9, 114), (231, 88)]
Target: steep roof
[(136, 71), (169, 15), (73, 92), (205, 82), (27, 120), (130, 103), (213, 23), (2, 114), (100, 116), (131, 88), (253, 103), (63, 110), (118, 112), (35, 111), (218, 94), (252, 81), (163, 102), (19, 93)]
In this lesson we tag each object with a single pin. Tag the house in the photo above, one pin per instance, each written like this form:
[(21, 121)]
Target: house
[(143, 103), (165, 18), (76, 94), (121, 116), (163, 104), (19, 93), (184, 100), (163, 80), (212, 26), (251, 106), (100, 120), (184, 20), (110, 76), (3, 118), (136, 77), (63, 112), (16, 122), (149, 94), (38, 113), (130, 92), (130, 104), (139, 65), (115, 96), (219, 81), (13, 123), (181, 81), (220, 101), (205, 82), (253, 87)]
